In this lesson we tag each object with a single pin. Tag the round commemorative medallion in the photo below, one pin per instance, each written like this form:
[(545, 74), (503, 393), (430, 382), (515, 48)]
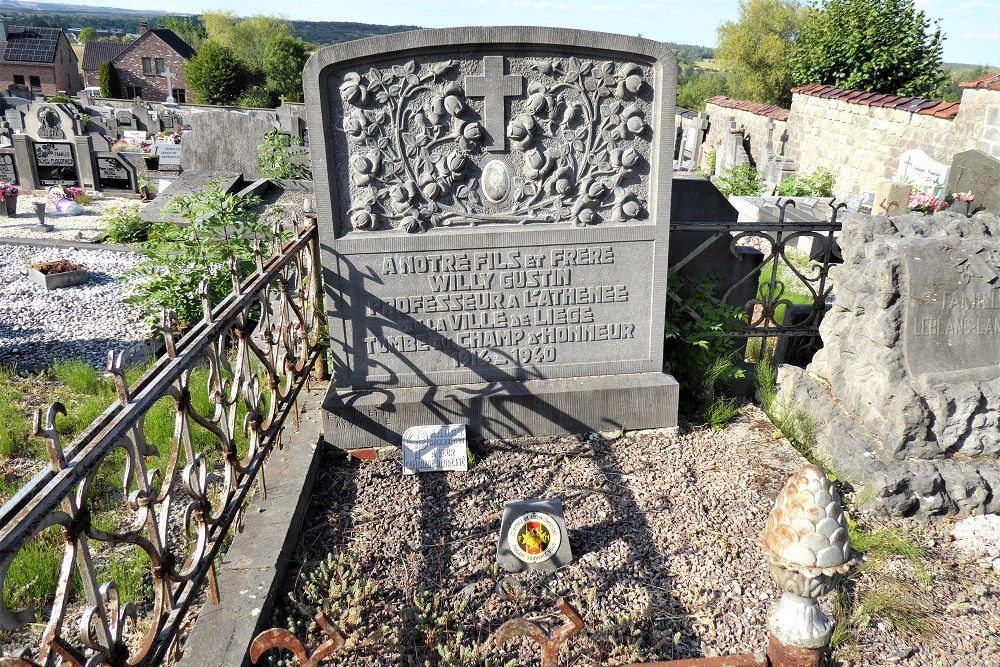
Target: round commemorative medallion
[(534, 537)]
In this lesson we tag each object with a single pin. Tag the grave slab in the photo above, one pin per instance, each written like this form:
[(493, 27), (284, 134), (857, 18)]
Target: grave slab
[(189, 183), (476, 263), (976, 172)]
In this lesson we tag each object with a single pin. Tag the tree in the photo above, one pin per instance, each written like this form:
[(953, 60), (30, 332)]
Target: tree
[(190, 30), (108, 77), (884, 46), (754, 50), (692, 93), (215, 74), (284, 59), (248, 38), (86, 35)]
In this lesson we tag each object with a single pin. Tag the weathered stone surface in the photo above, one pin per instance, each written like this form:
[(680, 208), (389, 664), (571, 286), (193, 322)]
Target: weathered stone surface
[(911, 357), (976, 172), (492, 210), (225, 141)]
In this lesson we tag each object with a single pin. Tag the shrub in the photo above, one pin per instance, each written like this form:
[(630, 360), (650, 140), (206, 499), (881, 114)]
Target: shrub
[(215, 74), (713, 155), (817, 184), (108, 77), (222, 226), (257, 97), (125, 225), (740, 181), (274, 157)]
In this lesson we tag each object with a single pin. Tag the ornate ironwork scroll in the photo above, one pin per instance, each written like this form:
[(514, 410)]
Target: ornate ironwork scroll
[(259, 346)]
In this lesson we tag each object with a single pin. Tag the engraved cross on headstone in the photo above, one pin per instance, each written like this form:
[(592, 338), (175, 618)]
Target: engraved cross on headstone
[(494, 87), (170, 86)]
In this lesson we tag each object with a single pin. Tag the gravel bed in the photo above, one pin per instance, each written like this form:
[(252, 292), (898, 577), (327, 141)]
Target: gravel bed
[(664, 530), (82, 322), (66, 227)]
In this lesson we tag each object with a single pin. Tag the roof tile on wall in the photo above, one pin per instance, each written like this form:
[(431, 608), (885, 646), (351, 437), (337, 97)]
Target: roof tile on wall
[(988, 82), (936, 108)]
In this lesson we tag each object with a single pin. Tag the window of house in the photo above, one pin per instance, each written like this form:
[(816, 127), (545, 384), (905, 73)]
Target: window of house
[(147, 65), (19, 79), (36, 84), (159, 66), (178, 94), (131, 92)]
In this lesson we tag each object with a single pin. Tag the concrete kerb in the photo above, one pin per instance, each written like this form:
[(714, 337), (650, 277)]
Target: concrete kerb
[(253, 570)]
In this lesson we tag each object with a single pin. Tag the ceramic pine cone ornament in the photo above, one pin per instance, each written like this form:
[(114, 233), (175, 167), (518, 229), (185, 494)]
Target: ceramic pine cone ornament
[(808, 551)]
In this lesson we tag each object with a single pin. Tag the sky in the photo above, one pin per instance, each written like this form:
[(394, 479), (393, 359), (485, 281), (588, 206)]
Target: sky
[(972, 27)]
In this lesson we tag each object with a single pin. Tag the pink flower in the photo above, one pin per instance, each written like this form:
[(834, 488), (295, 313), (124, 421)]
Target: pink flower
[(964, 196)]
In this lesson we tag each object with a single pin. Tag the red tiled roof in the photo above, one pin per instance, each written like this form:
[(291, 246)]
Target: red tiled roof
[(988, 81), (770, 111), (936, 108)]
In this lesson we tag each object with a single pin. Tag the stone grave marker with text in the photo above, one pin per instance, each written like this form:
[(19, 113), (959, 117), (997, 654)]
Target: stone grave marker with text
[(170, 154), (918, 168), (55, 163), (495, 249), (115, 173), (435, 449), (8, 170)]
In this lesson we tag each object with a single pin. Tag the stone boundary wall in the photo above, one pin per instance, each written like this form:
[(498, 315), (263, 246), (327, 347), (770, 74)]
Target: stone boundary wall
[(752, 116), (860, 136)]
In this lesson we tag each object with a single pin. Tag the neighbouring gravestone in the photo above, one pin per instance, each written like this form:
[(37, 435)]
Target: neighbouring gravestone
[(170, 154), (134, 136), (919, 169), (976, 172), (533, 536), (55, 163), (115, 173), (224, 141), (494, 209), (8, 170), (435, 449), (908, 392), (891, 198)]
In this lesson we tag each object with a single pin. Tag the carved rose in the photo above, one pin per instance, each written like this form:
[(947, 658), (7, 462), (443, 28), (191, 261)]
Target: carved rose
[(542, 66), (631, 121), (624, 157), (363, 168), (472, 132), (561, 182), (429, 187), (402, 195), (629, 80), (410, 224), (537, 163), (538, 101), (626, 206), (354, 126), (594, 189), (521, 131), (435, 111), (352, 90), (362, 215), (454, 163)]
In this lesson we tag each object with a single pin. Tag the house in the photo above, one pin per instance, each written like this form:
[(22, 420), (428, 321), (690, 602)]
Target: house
[(154, 60), (37, 60), (96, 54)]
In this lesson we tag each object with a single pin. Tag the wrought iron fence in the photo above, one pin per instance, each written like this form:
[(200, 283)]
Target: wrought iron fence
[(774, 239), (259, 346)]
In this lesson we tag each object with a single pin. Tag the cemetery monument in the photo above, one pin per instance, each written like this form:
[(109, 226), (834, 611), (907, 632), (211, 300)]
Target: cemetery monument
[(494, 208)]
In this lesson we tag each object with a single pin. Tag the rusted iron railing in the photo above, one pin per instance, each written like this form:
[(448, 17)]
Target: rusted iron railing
[(259, 346), (775, 239)]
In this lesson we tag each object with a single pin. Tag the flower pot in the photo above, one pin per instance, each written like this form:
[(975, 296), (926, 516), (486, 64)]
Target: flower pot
[(8, 207), (152, 162), (52, 281)]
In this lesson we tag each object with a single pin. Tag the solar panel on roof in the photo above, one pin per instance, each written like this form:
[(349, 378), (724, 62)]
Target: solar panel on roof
[(33, 45)]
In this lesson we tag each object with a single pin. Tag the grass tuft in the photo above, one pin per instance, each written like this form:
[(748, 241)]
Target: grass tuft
[(721, 411)]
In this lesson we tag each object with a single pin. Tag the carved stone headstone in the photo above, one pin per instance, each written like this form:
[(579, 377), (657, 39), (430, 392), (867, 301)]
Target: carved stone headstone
[(55, 163), (16, 119), (115, 173), (976, 172), (919, 169), (8, 170), (494, 217)]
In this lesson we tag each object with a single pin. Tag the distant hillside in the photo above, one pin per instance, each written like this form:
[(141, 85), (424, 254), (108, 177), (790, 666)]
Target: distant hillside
[(331, 32)]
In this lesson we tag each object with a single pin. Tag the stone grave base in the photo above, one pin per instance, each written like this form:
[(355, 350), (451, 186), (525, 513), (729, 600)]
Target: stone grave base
[(378, 417), (905, 487)]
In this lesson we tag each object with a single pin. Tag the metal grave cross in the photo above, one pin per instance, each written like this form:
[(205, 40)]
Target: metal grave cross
[(494, 87), (170, 86)]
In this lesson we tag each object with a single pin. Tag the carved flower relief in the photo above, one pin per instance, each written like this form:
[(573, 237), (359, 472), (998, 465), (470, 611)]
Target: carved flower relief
[(363, 215), (521, 131), (353, 91), (601, 80), (629, 79), (537, 163), (539, 100), (364, 168)]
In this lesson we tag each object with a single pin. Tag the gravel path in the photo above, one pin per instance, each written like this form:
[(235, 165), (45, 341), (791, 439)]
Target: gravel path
[(81, 322), (663, 528), (66, 227)]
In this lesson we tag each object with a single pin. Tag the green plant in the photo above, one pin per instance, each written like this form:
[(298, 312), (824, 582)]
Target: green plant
[(125, 225), (284, 58), (698, 351), (721, 411), (221, 227), (740, 181), (66, 99), (713, 155), (215, 74), (108, 78), (766, 382), (275, 158), (885, 46), (817, 184), (257, 97)]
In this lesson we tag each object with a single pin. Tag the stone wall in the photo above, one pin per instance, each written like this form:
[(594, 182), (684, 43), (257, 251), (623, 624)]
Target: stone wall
[(754, 118)]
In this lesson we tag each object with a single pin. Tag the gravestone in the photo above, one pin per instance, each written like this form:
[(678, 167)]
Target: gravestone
[(124, 118), (497, 259), (8, 170), (891, 198), (16, 119), (55, 163), (906, 389), (976, 172), (170, 154), (435, 449), (223, 141), (918, 168), (115, 173)]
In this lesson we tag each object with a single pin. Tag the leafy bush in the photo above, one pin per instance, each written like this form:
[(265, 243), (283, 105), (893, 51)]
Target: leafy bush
[(713, 155), (221, 226), (817, 184), (698, 352), (740, 181), (125, 225), (215, 74), (274, 157), (108, 78), (284, 58), (257, 97)]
